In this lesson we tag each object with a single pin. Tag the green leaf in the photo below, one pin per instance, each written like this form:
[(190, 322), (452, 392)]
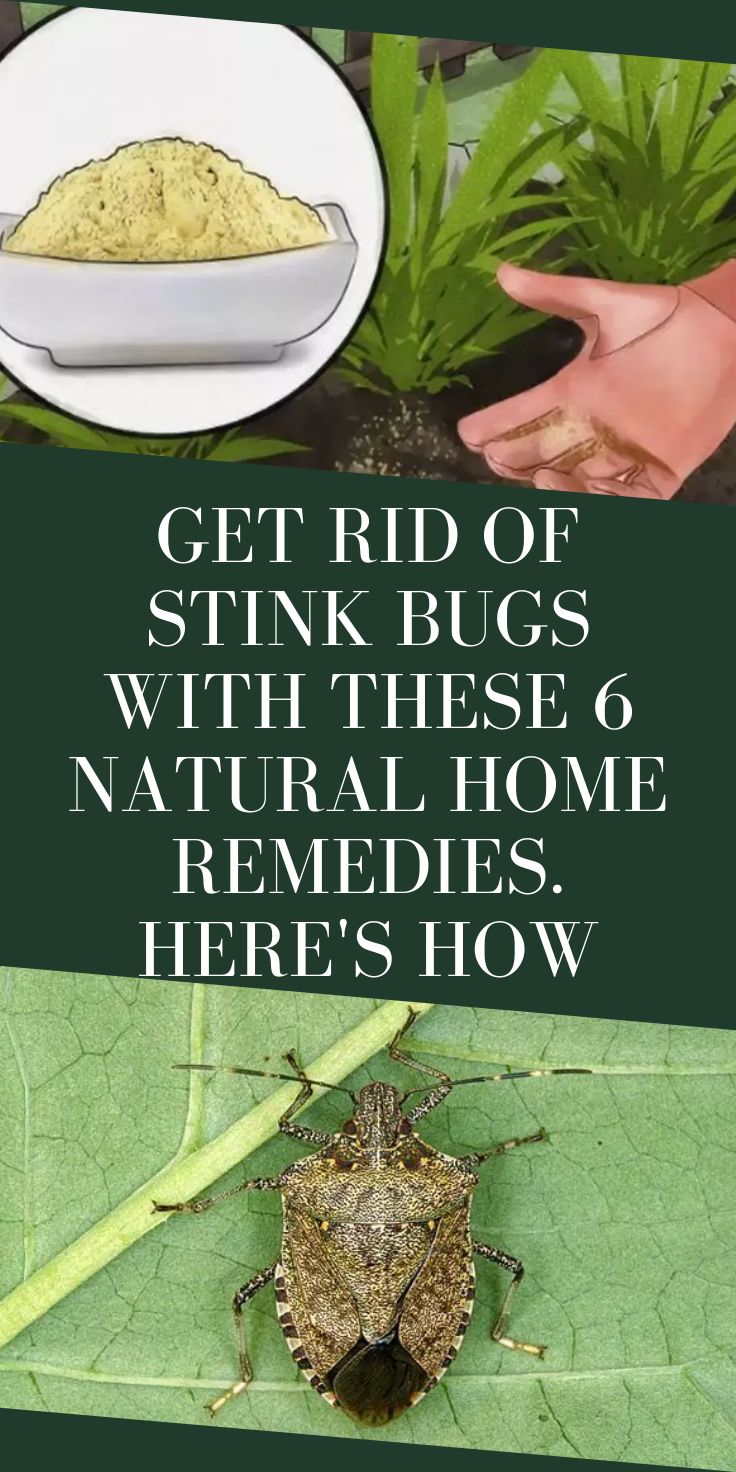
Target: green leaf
[(432, 145), (431, 315), (506, 133), (696, 85), (599, 102), (70, 433), (551, 146), (641, 77), (717, 140), (360, 380), (243, 447), (645, 199), (626, 1220), (73, 435), (393, 102)]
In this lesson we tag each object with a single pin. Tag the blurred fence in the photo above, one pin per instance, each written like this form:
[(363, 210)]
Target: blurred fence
[(11, 25), (451, 54)]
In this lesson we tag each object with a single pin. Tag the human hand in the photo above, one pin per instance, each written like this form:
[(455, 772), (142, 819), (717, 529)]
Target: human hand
[(651, 395)]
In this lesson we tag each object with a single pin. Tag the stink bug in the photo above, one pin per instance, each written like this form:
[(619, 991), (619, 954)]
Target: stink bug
[(375, 1282)]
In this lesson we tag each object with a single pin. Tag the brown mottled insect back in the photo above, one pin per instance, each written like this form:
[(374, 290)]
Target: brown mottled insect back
[(375, 1283)]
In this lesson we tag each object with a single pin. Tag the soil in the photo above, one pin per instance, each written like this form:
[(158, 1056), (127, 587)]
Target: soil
[(415, 435), (412, 434)]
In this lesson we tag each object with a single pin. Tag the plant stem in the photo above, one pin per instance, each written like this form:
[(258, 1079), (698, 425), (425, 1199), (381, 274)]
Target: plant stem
[(186, 1177)]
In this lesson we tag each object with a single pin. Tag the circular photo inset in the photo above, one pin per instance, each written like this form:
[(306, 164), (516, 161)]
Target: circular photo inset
[(192, 217)]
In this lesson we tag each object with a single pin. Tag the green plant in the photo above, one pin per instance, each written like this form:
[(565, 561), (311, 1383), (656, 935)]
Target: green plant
[(646, 199), (73, 434), (437, 307)]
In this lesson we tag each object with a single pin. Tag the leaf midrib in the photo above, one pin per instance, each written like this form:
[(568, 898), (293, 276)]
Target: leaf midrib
[(29, 1230), (191, 1171), (193, 1131), (183, 1382)]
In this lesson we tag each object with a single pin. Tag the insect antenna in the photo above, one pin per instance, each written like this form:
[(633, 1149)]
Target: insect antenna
[(289, 1078), (499, 1078)]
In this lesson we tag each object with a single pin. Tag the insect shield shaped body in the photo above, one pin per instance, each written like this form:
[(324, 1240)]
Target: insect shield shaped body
[(375, 1282)]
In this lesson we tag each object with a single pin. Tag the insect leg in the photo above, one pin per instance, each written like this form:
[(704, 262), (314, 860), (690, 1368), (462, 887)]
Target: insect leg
[(242, 1297), (478, 1157), (430, 1101), (300, 1131), (260, 1183), (398, 1056), (435, 1095), (511, 1265)]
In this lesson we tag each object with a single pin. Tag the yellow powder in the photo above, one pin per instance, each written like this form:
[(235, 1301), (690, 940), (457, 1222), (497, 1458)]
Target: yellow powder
[(164, 200)]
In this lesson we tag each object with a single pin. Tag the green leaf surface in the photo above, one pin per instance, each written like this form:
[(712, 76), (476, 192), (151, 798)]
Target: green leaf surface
[(641, 78), (431, 315), (646, 194), (504, 137), (696, 86), (431, 161), (626, 1220), (241, 447), (599, 99), (393, 102), (72, 434)]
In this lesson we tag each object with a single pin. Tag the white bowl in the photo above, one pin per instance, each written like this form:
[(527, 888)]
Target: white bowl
[(100, 314)]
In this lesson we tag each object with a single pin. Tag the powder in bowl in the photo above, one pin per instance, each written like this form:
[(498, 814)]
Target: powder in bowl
[(164, 200)]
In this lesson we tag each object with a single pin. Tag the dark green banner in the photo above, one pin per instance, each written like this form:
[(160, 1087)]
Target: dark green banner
[(652, 33), (402, 820)]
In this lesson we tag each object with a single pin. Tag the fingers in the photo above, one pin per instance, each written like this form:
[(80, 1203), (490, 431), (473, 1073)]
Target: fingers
[(511, 416), (560, 443), (538, 407), (640, 489), (637, 485), (580, 299), (562, 449), (610, 313), (604, 469), (576, 298), (590, 467)]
